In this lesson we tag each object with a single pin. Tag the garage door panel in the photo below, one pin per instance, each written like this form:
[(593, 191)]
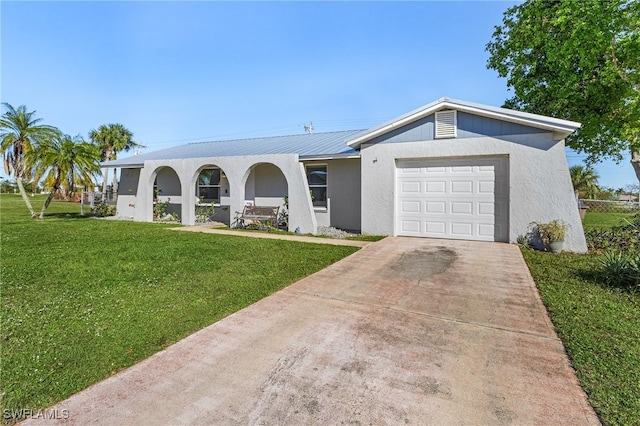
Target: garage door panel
[(436, 227), (410, 206), (461, 229), (461, 199), (409, 171), (439, 187), (461, 169), (411, 186), (437, 207), (462, 187), (435, 170), (410, 226), (462, 208)]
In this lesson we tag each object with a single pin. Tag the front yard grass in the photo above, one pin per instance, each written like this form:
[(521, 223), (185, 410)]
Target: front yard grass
[(83, 298), (600, 329), (602, 220)]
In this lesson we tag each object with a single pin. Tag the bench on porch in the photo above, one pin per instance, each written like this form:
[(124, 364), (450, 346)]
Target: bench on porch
[(266, 215)]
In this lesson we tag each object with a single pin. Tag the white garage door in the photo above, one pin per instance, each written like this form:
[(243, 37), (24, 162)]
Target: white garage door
[(464, 199)]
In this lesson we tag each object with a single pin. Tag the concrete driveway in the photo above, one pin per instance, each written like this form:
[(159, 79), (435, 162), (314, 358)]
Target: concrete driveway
[(405, 331)]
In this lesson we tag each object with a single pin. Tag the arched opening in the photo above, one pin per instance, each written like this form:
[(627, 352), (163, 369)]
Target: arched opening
[(266, 186), (167, 195), (212, 191)]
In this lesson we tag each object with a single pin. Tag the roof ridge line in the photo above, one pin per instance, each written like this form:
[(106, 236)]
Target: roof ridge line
[(275, 136)]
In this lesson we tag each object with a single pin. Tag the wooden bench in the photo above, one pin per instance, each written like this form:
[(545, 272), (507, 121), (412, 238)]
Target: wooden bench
[(266, 215)]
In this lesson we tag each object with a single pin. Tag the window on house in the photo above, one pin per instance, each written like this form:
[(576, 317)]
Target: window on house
[(208, 189), (317, 178)]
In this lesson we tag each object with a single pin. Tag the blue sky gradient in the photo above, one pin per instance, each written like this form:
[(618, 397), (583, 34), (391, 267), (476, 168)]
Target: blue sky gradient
[(178, 72)]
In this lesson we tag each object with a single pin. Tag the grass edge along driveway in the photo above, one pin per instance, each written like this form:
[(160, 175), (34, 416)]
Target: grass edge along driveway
[(599, 327), (83, 298)]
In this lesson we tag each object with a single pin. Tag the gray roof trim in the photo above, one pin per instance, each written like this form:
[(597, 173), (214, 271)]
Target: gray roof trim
[(113, 164), (330, 157), (560, 128)]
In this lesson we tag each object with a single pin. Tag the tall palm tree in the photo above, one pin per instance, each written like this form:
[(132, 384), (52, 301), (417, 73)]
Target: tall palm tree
[(585, 181), (19, 132), (112, 138), (64, 162)]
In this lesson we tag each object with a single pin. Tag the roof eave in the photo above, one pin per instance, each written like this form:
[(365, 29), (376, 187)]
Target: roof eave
[(341, 156), (116, 164)]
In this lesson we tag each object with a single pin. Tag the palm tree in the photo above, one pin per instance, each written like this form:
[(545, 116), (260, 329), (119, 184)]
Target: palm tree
[(19, 132), (112, 138), (585, 181), (63, 161)]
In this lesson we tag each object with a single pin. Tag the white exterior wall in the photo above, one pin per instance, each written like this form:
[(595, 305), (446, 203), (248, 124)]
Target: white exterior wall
[(539, 183), (270, 186), (238, 171)]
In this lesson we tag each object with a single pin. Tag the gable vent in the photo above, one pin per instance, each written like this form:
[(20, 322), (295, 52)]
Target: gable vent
[(446, 124)]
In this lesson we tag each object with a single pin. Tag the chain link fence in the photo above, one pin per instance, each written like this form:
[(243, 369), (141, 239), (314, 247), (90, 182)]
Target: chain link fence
[(606, 206), (93, 198), (99, 204)]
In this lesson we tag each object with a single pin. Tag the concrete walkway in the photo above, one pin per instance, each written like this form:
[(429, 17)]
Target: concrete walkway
[(405, 331), (272, 236)]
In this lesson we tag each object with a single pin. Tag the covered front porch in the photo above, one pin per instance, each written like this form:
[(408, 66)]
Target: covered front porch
[(229, 183)]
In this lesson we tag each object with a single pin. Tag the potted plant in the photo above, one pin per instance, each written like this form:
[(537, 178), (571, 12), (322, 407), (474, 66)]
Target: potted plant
[(552, 234)]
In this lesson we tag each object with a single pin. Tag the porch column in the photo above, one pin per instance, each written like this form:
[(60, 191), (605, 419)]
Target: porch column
[(235, 173), (301, 214), (144, 197), (188, 205)]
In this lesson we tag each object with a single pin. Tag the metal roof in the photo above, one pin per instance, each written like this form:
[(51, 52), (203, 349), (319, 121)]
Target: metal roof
[(308, 144), (313, 145), (560, 128)]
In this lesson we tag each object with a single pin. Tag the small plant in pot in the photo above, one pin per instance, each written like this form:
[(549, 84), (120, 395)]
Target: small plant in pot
[(552, 234)]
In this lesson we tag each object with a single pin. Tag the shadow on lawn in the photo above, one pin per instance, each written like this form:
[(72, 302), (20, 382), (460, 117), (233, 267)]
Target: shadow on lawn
[(66, 216), (603, 278)]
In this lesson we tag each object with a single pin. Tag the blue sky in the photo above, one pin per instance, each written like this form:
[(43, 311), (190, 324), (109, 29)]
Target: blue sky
[(178, 72)]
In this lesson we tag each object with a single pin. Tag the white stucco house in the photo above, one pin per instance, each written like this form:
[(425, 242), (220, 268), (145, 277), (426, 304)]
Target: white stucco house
[(450, 169)]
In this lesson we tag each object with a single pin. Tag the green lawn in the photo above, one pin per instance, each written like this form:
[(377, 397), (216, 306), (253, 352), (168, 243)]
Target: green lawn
[(599, 326), (598, 220), (83, 298)]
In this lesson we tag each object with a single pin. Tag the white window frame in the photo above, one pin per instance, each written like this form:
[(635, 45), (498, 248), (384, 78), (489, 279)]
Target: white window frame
[(325, 186), (198, 186)]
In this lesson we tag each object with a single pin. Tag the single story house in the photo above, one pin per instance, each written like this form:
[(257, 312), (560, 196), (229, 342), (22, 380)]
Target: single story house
[(450, 169)]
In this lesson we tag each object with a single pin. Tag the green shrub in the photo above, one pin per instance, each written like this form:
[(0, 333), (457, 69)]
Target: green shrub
[(552, 231), (621, 269), (103, 210), (204, 212), (523, 241), (620, 238)]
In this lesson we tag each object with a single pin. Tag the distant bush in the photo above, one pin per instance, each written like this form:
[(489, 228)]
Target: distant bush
[(103, 210)]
